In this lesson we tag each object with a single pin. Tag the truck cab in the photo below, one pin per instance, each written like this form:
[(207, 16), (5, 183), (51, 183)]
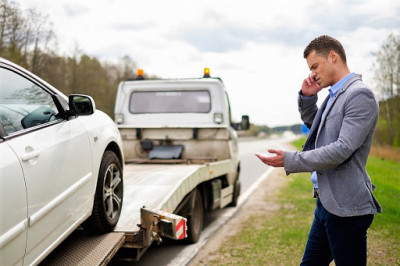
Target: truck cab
[(191, 115)]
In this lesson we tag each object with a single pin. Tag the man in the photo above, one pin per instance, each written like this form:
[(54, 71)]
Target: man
[(336, 152)]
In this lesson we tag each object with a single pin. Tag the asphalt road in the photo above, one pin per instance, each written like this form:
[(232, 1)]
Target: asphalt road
[(252, 172)]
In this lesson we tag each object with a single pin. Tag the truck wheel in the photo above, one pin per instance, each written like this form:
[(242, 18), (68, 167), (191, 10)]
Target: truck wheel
[(236, 193), (108, 197), (195, 218)]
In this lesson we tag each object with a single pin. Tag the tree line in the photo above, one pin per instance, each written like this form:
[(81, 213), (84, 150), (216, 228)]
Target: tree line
[(27, 39)]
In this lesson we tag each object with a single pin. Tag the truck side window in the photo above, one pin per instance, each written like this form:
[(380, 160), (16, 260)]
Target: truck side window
[(22, 103)]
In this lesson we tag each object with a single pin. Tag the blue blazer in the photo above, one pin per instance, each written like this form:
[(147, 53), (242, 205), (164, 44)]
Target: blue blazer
[(337, 148)]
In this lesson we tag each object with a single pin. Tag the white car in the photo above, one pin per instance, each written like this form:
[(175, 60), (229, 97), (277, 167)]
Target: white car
[(61, 167)]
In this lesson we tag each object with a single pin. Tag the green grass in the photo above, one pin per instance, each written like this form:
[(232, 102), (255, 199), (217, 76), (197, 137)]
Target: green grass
[(384, 234), (279, 237), (298, 144)]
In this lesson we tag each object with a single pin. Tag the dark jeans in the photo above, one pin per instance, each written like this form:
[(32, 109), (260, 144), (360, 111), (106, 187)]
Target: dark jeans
[(343, 239)]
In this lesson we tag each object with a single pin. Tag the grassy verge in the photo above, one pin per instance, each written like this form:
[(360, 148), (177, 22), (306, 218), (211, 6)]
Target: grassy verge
[(384, 234), (279, 239)]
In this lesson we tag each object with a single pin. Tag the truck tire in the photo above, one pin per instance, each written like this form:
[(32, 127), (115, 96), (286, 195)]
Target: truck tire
[(236, 193), (195, 218), (108, 197)]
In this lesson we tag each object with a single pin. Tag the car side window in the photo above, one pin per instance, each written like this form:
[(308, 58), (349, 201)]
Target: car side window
[(23, 104)]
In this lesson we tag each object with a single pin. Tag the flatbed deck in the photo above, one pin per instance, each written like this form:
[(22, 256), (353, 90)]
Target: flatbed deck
[(158, 186), (161, 186)]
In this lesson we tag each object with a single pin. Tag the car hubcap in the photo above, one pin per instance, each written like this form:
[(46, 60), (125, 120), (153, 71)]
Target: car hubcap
[(112, 191)]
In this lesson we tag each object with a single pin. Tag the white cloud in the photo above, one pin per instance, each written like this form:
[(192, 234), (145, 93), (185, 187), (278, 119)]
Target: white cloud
[(256, 46)]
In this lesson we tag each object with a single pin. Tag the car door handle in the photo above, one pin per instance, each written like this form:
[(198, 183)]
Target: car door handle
[(30, 155)]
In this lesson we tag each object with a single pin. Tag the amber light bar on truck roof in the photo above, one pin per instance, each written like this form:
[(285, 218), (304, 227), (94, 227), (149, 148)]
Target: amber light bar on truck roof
[(206, 73), (140, 75)]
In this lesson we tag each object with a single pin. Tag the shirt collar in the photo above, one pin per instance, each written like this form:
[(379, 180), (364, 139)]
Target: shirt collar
[(335, 88)]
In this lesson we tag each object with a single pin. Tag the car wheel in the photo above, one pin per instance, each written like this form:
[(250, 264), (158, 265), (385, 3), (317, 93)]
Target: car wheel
[(195, 218), (108, 198)]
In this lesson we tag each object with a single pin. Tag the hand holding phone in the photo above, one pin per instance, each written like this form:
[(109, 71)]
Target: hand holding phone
[(310, 86)]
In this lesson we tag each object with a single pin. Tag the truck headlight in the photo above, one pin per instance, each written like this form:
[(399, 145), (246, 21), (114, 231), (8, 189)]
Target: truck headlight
[(218, 118), (119, 118)]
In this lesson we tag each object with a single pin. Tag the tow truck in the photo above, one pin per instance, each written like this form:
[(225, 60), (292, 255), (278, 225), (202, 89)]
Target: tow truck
[(181, 159)]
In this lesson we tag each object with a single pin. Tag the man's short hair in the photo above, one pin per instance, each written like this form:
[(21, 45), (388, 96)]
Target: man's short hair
[(323, 45)]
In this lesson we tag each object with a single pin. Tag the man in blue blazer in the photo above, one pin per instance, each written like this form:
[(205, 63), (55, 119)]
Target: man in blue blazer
[(336, 152)]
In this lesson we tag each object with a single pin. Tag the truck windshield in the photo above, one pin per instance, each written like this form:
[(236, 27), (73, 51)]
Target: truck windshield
[(170, 102)]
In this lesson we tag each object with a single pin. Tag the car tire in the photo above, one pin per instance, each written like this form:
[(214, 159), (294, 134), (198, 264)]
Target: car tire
[(195, 218), (108, 197)]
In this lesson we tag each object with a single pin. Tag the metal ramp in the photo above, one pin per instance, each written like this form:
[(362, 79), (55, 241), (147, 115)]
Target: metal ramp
[(84, 249)]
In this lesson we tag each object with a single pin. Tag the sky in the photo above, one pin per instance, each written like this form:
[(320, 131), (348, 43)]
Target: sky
[(255, 46)]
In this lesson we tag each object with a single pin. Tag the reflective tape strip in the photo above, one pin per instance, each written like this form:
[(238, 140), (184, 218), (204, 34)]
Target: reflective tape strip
[(181, 229)]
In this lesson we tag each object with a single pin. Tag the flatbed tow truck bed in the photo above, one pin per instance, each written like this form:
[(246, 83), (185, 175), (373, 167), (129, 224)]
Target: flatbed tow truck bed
[(158, 186)]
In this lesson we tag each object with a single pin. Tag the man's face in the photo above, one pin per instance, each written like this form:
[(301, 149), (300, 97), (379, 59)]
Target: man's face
[(321, 69)]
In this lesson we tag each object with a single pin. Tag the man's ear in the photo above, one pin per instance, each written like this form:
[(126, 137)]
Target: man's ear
[(333, 57)]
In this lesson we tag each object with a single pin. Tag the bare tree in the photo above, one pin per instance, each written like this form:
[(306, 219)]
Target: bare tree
[(387, 84), (24, 35), (38, 34), (11, 21), (387, 67)]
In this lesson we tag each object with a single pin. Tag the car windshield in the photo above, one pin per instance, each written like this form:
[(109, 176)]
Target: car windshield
[(170, 102)]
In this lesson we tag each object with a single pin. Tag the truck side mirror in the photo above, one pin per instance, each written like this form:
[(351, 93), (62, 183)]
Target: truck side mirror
[(245, 122), (243, 125)]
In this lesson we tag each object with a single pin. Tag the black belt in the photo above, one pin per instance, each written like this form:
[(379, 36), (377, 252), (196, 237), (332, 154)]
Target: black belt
[(316, 193)]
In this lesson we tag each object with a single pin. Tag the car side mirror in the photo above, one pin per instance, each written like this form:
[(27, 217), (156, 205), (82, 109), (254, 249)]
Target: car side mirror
[(81, 105)]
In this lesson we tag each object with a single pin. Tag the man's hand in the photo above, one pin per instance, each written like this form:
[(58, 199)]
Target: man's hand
[(310, 87), (275, 161)]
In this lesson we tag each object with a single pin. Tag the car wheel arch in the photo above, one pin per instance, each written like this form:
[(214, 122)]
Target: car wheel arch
[(113, 146)]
